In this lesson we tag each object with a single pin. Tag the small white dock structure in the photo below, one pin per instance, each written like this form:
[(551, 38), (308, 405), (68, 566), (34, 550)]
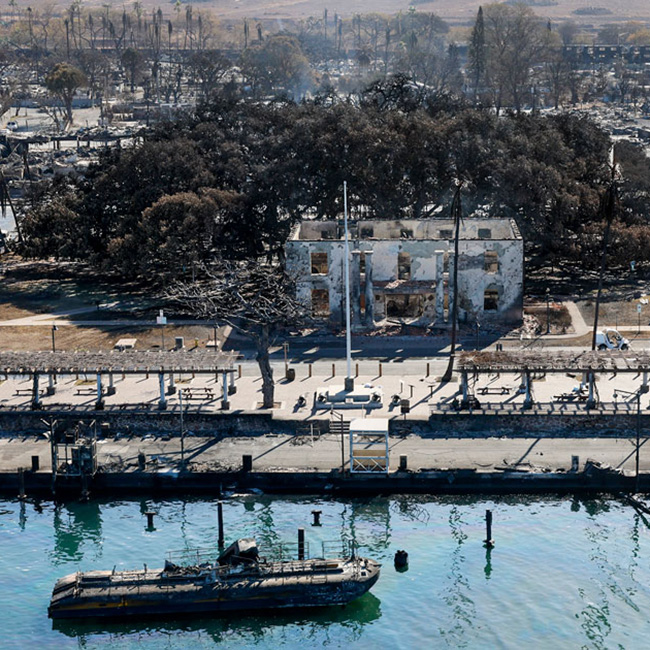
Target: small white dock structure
[(369, 445)]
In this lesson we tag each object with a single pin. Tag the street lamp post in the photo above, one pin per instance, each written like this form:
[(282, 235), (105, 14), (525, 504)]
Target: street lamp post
[(54, 329), (548, 310), (216, 348)]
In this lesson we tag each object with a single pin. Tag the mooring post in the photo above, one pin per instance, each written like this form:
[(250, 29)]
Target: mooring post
[(489, 542), (162, 402), (301, 543), (380, 369), (171, 388), (150, 515), (51, 389), (309, 369), (21, 484), (99, 404), (232, 389), (220, 523), (316, 515), (111, 384), (644, 386), (333, 370)]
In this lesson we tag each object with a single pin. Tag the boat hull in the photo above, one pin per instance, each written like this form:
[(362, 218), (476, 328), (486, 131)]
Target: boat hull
[(141, 594)]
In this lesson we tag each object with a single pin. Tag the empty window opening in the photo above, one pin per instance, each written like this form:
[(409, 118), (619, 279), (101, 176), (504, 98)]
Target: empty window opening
[(484, 233), (446, 234), (404, 305), (327, 234), (319, 264), (403, 266), (366, 232), (491, 262), (491, 299), (406, 233), (320, 302)]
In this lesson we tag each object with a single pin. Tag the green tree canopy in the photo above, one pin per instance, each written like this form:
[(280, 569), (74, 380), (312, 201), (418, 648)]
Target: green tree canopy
[(63, 80)]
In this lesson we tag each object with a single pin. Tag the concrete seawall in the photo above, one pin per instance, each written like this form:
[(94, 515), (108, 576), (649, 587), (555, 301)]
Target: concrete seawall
[(215, 484)]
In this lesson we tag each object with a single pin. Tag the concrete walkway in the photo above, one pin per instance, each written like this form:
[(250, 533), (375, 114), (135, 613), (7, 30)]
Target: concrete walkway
[(305, 453), (415, 380)]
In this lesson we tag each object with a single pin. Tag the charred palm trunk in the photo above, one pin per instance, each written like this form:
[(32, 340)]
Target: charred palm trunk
[(268, 387), (456, 212)]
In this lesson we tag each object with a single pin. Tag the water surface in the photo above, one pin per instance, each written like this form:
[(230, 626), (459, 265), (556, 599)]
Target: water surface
[(564, 573)]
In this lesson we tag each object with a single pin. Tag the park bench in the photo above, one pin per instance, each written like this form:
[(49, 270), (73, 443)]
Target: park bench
[(86, 391), (26, 391)]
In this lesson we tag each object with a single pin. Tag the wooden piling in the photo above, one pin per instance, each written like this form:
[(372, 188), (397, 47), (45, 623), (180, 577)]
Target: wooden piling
[(301, 543), (21, 484), (220, 524), (489, 542)]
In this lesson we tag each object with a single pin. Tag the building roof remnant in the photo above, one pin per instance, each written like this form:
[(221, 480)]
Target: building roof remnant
[(495, 229), (559, 361), (133, 362)]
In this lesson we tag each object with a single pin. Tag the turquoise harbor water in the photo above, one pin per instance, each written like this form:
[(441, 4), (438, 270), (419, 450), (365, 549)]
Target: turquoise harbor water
[(564, 573)]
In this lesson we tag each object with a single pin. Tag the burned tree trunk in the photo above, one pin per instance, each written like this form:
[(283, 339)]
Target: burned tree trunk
[(268, 386)]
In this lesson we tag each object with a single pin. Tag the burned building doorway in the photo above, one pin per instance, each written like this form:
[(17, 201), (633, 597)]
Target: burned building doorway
[(404, 305)]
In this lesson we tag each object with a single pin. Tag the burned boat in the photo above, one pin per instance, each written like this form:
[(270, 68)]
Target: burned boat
[(239, 579)]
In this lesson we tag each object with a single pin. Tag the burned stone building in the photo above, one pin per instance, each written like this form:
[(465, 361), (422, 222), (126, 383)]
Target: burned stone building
[(401, 270)]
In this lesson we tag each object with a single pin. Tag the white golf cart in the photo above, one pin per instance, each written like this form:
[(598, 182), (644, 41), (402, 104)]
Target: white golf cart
[(611, 339)]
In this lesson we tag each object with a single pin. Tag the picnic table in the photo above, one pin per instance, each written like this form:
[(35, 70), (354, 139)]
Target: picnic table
[(494, 390), (198, 392)]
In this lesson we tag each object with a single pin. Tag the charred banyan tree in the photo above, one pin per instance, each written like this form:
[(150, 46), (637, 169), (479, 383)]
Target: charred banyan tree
[(256, 299)]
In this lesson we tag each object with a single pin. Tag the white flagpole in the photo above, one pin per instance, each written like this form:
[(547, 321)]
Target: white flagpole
[(349, 381)]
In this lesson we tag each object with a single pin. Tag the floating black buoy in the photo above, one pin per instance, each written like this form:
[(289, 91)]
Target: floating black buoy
[(401, 560), (316, 515)]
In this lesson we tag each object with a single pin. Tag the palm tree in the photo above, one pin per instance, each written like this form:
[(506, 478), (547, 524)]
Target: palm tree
[(457, 216)]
